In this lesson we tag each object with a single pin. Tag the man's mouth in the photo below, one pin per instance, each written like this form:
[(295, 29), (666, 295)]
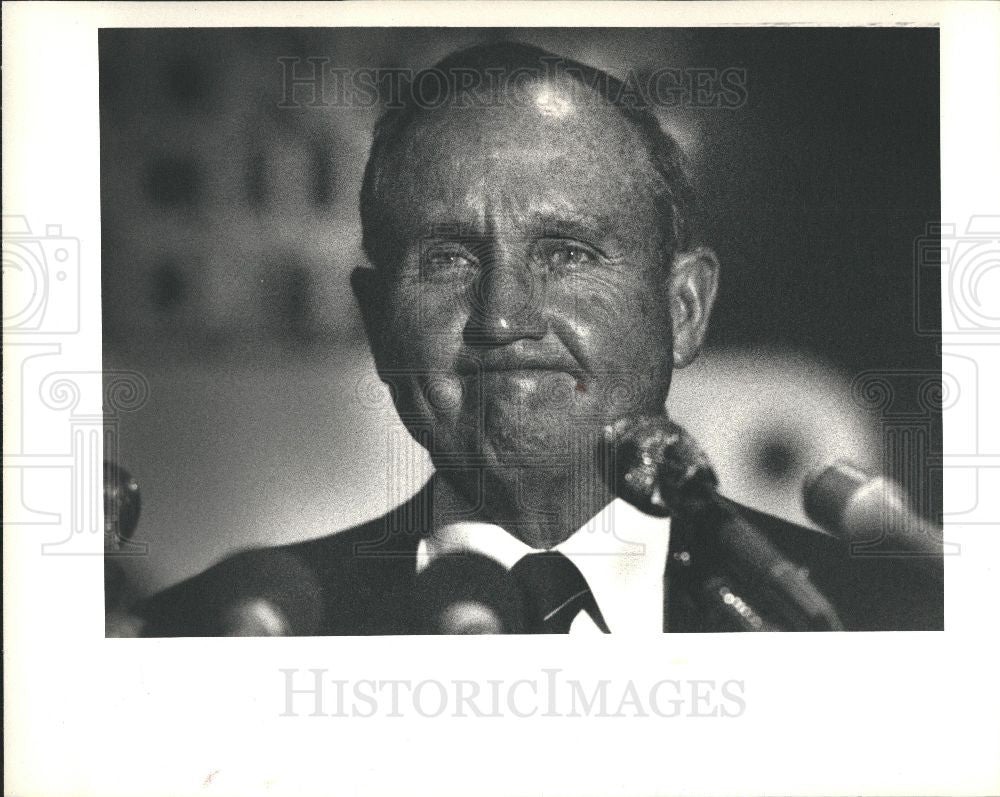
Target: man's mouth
[(556, 382), (538, 374), (534, 367)]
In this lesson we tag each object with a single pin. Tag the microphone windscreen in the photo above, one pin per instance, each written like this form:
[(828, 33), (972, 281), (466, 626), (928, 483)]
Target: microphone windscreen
[(827, 492), (467, 593), (266, 593), (865, 509), (657, 465)]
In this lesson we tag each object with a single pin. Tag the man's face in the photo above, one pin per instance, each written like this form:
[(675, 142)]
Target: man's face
[(530, 303)]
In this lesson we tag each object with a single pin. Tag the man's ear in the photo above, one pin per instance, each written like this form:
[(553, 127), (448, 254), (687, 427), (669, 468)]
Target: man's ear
[(369, 289), (694, 280)]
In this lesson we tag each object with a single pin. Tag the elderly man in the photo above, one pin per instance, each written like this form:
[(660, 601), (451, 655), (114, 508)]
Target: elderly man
[(534, 278)]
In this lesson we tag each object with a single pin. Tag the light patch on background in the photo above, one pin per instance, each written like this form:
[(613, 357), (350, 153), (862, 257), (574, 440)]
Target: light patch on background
[(772, 417)]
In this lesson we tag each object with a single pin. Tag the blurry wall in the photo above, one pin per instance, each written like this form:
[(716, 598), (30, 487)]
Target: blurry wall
[(229, 227)]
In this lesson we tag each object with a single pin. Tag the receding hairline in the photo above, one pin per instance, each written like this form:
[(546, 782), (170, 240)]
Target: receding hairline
[(591, 124), (535, 66)]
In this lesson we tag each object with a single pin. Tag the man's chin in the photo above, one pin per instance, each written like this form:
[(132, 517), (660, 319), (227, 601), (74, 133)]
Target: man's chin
[(540, 441), (541, 446), (545, 451)]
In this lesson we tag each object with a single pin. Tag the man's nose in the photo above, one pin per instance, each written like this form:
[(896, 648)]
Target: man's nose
[(507, 303)]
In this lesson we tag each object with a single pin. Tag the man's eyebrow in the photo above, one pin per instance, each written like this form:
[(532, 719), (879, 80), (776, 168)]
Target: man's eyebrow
[(570, 225), (454, 229), (539, 224)]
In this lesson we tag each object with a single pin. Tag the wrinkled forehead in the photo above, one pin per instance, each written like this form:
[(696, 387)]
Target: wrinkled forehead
[(551, 147)]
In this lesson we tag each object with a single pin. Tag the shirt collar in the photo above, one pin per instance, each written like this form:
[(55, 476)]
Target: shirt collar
[(621, 552)]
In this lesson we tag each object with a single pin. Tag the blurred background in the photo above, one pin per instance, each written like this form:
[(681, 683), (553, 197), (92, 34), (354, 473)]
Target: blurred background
[(229, 224)]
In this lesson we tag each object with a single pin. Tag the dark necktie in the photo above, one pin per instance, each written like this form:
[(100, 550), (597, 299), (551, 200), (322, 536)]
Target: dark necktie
[(554, 591)]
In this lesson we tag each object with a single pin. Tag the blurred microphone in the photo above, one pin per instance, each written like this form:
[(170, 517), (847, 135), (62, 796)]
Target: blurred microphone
[(661, 470), (266, 593), (122, 506), (467, 593), (869, 511)]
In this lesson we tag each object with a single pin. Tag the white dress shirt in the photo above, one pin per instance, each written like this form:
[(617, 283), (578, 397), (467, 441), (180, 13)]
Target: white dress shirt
[(621, 552)]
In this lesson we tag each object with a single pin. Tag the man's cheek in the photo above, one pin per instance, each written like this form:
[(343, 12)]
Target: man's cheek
[(592, 304), (643, 334), (423, 340)]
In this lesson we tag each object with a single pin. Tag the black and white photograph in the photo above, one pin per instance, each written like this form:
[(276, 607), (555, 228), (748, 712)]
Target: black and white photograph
[(440, 397), (523, 331)]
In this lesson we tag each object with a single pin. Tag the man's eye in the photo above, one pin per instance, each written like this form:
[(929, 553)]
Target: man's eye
[(444, 260), (566, 255)]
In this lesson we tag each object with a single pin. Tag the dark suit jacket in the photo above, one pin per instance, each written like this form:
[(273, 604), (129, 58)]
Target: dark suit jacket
[(361, 581)]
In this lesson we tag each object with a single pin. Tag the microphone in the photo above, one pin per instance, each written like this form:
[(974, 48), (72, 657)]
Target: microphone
[(661, 470), (265, 593), (122, 506), (870, 513), (467, 593)]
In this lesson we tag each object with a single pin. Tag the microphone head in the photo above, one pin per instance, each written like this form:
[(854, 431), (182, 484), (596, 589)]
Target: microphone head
[(467, 593), (266, 593), (873, 512), (656, 463), (828, 491), (122, 505)]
